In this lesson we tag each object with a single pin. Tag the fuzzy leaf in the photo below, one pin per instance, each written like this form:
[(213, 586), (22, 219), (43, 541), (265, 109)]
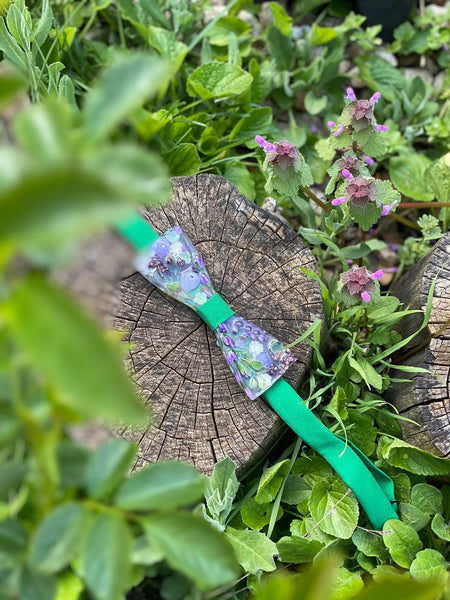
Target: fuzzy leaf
[(441, 528), (331, 498), (402, 542), (217, 80), (430, 566), (254, 550), (221, 488), (271, 481)]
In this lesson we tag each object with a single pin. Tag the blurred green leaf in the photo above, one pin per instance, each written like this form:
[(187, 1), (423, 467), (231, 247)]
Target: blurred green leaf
[(166, 43), (163, 485), (108, 465), (105, 562), (10, 87), (59, 537), (408, 175), (122, 88), (84, 368), (193, 547), (296, 549), (217, 80), (430, 566), (257, 122), (34, 585), (183, 159)]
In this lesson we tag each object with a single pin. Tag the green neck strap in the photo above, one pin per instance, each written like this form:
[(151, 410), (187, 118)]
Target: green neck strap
[(373, 488)]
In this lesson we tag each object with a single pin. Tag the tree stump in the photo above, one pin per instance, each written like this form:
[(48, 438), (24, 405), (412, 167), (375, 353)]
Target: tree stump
[(200, 414), (426, 398)]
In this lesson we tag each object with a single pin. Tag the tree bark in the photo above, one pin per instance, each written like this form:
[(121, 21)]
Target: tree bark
[(200, 413), (426, 397)]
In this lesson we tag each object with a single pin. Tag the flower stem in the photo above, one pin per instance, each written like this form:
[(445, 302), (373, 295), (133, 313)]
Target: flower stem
[(315, 199), (405, 221), (423, 205)]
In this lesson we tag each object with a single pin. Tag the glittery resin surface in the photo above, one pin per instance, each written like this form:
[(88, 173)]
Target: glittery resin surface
[(254, 356)]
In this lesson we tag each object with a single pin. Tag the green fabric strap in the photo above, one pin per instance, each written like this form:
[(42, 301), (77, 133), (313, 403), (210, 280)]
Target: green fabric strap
[(137, 232), (215, 311), (373, 488)]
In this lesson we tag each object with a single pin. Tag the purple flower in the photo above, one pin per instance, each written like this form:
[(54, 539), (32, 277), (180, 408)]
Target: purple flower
[(381, 127), (387, 208), (360, 191), (377, 275), (375, 98), (338, 201), (368, 160), (346, 173), (265, 145), (351, 94), (358, 281), (331, 124), (339, 130)]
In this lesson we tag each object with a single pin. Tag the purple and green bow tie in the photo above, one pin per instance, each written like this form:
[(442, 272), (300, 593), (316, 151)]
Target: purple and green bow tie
[(257, 360)]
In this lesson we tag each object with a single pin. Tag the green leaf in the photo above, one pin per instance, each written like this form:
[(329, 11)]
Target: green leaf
[(281, 48), (32, 211), (395, 586), (430, 566), (254, 550), (166, 43), (34, 585), (221, 489), (438, 177), (321, 35), (427, 498), (313, 469), (401, 454), (271, 480), (441, 528), (59, 537), (402, 542), (225, 27), (163, 485), (380, 76), (257, 122), (183, 159), (55, 335), (10, 87), (122, 88), (296, 549), (255, 515), (365, 216), (193, 547), (108, 466), (12, 474), (217, 80), (408, 175), (240, 176), (281, 19), (369, 543), (346, 584), (133, 172), (367, 372), (313, 104), (413, 516), (334, 498), (105, 562), (69, 587), (295, 490)]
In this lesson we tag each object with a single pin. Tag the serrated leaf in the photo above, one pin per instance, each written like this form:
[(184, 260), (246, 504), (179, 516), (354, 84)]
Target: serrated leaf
[(441, 528), (58, 537), (405, 456), (365, 216), (108, 465), (217, 80), (163, 485), (296, 549), (334, 498), (105, 561), (413, 516), (369, 543), (346, 584), (430, 566), (221, 489), (54, 333), (402, 542), (183, 159), (407, 173), (122, 88), (193, 547), (254, 550)]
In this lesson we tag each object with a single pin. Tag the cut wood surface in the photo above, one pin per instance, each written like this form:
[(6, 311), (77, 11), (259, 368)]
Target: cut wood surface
[(200, 413), (426, 397)]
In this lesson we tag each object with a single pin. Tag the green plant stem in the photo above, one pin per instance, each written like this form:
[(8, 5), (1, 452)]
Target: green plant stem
[(425, 205), (404, 221), (315, 199)]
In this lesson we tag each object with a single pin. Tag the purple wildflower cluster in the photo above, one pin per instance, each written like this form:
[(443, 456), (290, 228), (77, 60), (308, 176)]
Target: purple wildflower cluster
[(358, 282), (284, 154), (357, 116), (360, 191)]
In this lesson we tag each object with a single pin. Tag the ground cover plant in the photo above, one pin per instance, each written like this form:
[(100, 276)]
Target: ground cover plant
[(103, 100)]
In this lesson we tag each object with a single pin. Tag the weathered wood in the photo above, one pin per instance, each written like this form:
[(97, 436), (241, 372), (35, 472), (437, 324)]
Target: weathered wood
[(200, 413), (426, 398)]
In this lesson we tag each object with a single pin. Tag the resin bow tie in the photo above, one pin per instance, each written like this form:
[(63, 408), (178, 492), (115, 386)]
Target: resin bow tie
[(255, 357), (258, 360)]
